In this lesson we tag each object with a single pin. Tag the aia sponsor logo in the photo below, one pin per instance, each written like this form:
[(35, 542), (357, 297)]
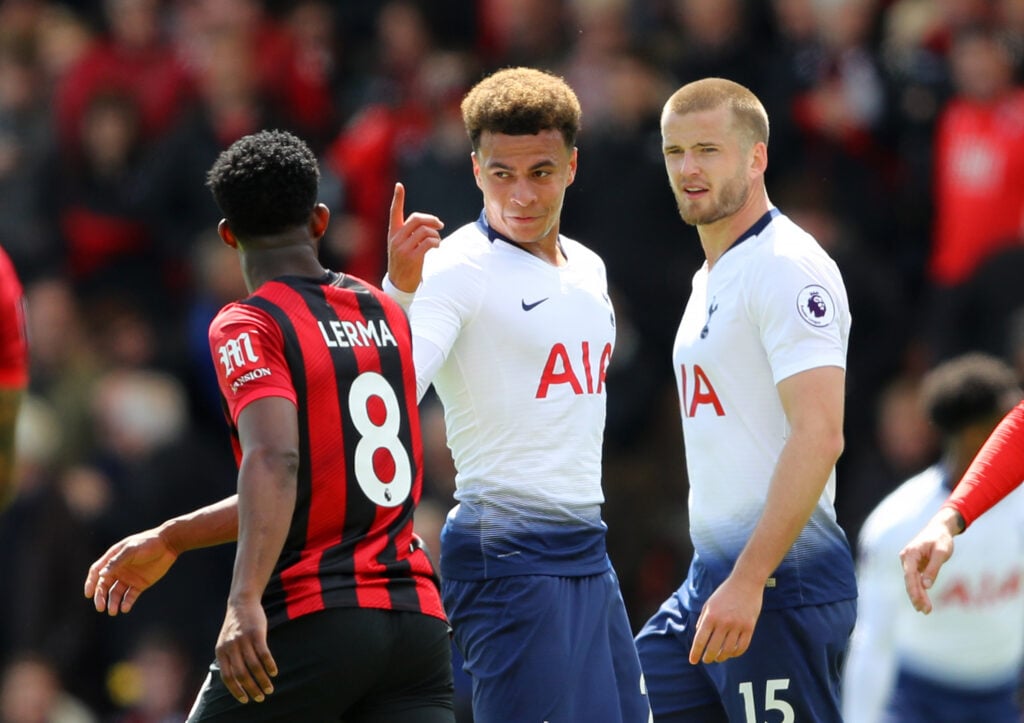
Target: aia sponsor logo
[(584, 374), (696, 391), (988, 590)]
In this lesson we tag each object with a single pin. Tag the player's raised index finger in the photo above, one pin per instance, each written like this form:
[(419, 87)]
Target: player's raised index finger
[(397, 209)]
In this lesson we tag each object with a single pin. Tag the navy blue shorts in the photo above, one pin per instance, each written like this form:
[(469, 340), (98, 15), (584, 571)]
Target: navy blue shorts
[(919, 700), (546, 648), (790, 672), (352, 664)]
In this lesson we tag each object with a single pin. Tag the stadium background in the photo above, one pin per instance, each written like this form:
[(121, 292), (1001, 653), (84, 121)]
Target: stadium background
[(111, 112)]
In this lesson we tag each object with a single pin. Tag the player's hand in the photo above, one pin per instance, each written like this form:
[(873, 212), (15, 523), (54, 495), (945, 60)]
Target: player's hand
[(246, 665), (126, 570), (925, 555), (726, 622), (409, 239)]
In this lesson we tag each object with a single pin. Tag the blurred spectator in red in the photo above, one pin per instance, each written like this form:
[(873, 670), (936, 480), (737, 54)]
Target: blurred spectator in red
[(979, 159), (132, 57), (97, 205), (978, 178)]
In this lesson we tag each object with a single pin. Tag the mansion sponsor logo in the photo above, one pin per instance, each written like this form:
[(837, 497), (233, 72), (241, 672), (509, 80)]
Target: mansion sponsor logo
[(249, 376)]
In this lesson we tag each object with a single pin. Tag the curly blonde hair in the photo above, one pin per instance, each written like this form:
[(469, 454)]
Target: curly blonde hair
[(521, 101)]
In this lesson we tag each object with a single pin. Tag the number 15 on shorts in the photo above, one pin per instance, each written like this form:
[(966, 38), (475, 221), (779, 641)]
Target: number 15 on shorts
[(773, 687)]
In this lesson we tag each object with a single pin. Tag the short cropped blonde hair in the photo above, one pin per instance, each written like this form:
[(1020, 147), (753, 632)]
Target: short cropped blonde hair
[(713, 93)]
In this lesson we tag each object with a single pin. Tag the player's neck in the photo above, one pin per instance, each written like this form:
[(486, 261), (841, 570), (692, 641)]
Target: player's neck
[(549, 250), (261, 265), (716, 238)]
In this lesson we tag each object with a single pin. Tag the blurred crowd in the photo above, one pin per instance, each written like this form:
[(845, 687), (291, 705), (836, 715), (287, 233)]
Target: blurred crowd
[(897, 139)]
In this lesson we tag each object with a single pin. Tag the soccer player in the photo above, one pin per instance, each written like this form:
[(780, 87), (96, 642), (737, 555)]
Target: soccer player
[(13, 370), (330, 586), (961, 664), (760, 625), (513, 325), (996, 472)]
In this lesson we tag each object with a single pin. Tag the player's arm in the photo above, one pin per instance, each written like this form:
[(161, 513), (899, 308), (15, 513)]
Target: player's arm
[(134, 564), (997, 470), (268, 433), (813, 403), (10, 403)]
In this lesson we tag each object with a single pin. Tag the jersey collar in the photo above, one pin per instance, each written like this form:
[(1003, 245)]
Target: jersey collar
[(491, 234), (754, 230)]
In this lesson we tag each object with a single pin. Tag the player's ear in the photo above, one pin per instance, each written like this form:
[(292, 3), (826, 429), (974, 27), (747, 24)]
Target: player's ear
[(759, 158), (318, 220), (476, 169), (226, 234)]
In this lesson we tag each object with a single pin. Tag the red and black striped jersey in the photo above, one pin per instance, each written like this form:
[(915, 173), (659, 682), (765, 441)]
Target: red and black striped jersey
[(341, 350), (13, 345)]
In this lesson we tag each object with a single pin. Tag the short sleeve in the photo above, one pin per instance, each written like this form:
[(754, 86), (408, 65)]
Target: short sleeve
[(248, 353), (801, 308)]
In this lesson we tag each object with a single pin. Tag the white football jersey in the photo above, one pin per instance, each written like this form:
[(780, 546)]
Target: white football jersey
[(526, 349), (773, 305), (974, 636)]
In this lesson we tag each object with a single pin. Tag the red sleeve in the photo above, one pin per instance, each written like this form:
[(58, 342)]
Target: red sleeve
[(13, 343), (248, 352), (996, 471)]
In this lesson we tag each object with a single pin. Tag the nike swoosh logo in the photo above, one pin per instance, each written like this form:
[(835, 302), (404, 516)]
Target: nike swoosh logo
[(527, 307)]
